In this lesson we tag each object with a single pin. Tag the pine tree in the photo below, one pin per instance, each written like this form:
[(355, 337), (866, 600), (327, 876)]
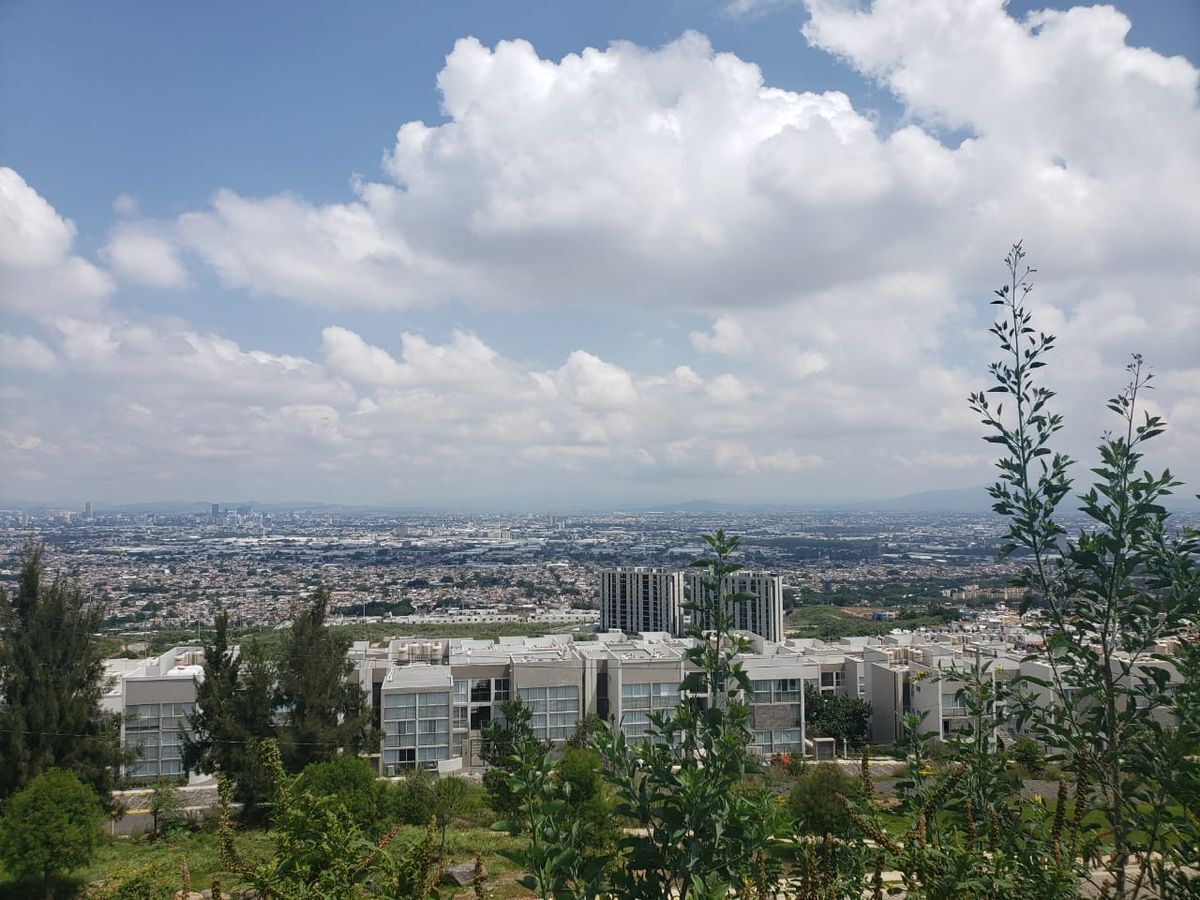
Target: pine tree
[(326, 710), (234, 706), (51, 683)]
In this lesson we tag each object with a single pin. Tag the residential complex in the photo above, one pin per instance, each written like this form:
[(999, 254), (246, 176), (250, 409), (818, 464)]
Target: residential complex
[(641, 598), (761, 612), (155, 696), (432, 699)]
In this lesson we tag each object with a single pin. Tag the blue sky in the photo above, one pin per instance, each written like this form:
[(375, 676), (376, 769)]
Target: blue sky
[(615, 346)]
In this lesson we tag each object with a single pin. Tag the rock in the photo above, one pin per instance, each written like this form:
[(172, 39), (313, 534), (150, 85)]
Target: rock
[(462, 875)]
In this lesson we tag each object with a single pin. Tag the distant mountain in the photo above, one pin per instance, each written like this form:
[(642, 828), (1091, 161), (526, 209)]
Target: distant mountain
[(699, 506), (962, 500), (976, 500)]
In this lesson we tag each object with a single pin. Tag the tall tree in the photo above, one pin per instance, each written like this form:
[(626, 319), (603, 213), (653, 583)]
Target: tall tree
[(1114, 596), (51, 683), (234, 707), (326, 711)]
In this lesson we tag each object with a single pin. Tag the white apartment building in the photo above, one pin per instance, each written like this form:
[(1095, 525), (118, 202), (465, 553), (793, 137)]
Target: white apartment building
[(761, 614), (155, 696), (432, 699), (636, 599)]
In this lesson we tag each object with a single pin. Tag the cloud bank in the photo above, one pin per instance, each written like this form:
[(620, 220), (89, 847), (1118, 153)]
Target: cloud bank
[(837, 274)]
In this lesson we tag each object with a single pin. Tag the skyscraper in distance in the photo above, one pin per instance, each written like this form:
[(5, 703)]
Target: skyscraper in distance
[(640, 598), (762, 614)]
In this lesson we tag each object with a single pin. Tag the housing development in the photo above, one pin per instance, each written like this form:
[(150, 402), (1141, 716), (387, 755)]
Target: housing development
[(431, 699)]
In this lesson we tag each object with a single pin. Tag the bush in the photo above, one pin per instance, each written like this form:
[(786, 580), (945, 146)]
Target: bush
[(1028, 754), (151, 881), (410, 801), (814, 801), (52, 826), (355, 784)]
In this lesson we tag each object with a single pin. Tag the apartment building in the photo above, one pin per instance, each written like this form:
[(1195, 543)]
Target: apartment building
[(760, 613), (636, 599), (155, 696), (432, 699)]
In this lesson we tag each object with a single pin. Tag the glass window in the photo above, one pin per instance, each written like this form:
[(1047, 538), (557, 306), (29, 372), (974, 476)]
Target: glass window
[(481, 690), (665, 695), (762, 691), (635, 696), (788, 690), (500, 689)]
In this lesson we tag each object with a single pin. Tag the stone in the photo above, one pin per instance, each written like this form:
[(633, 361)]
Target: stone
[(462, 875)]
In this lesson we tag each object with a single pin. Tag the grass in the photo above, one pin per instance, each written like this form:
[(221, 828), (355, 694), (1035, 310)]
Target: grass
[(832, 622), (122, 856)]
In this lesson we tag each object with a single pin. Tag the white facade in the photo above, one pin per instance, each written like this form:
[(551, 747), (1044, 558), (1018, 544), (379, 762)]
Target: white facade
[(762, 614), (155, 697), (638, 598)]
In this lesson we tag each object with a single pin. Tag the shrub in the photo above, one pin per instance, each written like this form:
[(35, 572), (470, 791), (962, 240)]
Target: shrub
[(52, 826), (355, 784), (814, 802)]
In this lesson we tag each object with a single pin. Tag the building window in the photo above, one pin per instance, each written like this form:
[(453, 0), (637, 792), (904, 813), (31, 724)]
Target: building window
[(762, 691), (789, 690), (635, 696)]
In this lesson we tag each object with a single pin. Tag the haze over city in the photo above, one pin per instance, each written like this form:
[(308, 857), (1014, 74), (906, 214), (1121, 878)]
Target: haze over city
[(546, 257)]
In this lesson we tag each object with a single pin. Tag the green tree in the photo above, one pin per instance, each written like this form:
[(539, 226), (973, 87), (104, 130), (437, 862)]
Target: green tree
[(501, 738), (451, 798), (51, 826), (166, 806), (1126, 586), (836, 716), (233, 715), (325, 710), (320, 852), (814, 804), (356, 786), (700, 831), (51, 682), (410, 800), (590, 802)]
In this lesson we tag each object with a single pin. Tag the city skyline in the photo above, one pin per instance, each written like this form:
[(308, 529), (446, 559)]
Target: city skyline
[(737, 251)]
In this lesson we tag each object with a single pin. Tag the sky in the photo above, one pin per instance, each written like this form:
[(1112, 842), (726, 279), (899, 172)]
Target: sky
[(549, 256)]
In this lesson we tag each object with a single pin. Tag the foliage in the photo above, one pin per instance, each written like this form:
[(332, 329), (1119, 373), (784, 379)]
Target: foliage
[(501, 738), (699, 832), (451, 798), (837, 716), (320, 851), (150, 880), (814, 804), (325, 710), (557, 857), (1029, 755), (965, 830), (356, 786), (1115, 596), (51, 682), (410, 800), (166, 806), (52, 825), (233, 715)]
